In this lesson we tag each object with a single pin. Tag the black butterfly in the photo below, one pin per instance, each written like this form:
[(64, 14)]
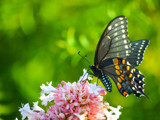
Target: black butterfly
[(116, 57)]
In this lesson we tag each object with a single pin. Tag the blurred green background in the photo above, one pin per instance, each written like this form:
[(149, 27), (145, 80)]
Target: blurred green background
[(40, 39)]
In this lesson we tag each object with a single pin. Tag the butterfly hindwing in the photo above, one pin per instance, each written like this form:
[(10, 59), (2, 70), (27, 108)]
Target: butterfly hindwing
[(137, 52), (114, 41), (128, 79)]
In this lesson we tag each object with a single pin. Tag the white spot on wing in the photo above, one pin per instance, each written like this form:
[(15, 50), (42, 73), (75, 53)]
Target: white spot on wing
[(108, 37), (115, 34), (138, 92), (137, 62), (121, 18), (110, 27), (143, 85), (143, 42), (116, 24), (128, 63), (141, 47), (123, 36), (138, 75), (116, 38), (122, 26), (125, 41), (127, 54), (126, 46), (127, 51)]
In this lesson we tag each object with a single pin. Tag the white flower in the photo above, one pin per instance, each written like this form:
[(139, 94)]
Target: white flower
[(36, 107), (85, 76), (26, 111), (47, 89)]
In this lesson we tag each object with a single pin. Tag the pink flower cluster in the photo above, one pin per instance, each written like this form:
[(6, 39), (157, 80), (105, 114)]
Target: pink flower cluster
[(71, 101)]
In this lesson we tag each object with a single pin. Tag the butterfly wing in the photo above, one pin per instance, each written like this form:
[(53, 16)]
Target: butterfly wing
[(114, 41), (137, 52), (115, 58), (128, 79)]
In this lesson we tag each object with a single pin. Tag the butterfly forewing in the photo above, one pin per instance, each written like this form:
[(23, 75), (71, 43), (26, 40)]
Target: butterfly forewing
[(114, 41), (137, 52)]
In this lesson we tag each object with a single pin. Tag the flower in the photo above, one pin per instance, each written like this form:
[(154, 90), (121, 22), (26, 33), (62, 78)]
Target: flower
[(31, 114), (85, 76), (71, 101)]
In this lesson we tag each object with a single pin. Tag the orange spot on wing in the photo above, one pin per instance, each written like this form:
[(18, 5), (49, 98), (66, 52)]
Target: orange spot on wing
[(117, 67), (122, 75), (125, 94), (117, 71), (134, 70), (132, 81), (130, 75), (120, 71), (116, 61), (119, 86), (122, 78), (123, 61), (119, 79), (127, 68)]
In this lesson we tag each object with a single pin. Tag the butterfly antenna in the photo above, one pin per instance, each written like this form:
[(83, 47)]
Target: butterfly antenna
[(84, 57)]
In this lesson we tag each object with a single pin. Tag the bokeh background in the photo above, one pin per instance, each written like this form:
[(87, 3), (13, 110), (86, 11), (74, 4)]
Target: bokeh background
[(40, 39)]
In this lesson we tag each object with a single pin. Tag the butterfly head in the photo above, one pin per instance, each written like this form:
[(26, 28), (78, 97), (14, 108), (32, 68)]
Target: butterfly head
[(95, 70)]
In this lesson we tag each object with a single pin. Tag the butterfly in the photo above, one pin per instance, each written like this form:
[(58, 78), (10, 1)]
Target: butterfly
[(116, 57)]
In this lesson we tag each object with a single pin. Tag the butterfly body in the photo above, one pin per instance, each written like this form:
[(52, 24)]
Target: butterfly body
[(102, 76), (116, 57)]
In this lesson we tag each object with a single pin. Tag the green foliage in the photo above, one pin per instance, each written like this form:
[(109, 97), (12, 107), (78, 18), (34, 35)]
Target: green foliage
[(39, 42)]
